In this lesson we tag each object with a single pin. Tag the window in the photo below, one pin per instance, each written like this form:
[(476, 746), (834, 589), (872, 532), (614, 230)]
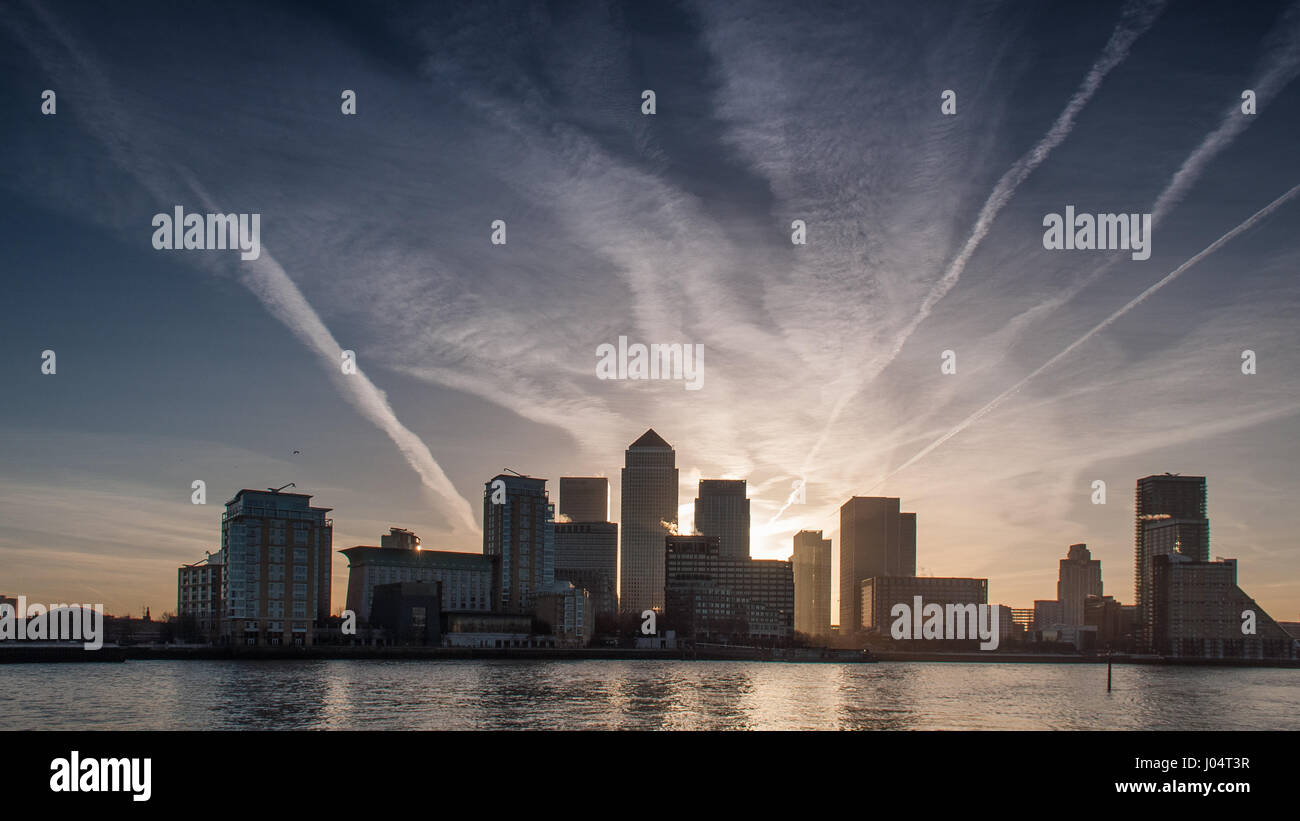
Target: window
[(300, 572), (300, 591), (300, 555)]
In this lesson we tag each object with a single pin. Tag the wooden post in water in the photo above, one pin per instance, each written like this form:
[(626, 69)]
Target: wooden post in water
[(1108, 662)]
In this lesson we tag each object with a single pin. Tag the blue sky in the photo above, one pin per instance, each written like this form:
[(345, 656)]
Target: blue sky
[(822, 361)]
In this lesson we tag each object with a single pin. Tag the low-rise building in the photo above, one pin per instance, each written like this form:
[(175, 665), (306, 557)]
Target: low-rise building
[(570, 613), (199, 597), (467, 578)]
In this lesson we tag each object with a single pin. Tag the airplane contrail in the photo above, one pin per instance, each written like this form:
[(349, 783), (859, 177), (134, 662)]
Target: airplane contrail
[(1281, 66), (282, 298), (1135, 19), (1133, 303)]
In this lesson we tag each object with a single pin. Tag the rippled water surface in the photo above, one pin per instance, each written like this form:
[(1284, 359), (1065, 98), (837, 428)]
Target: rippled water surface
[(455, 695)]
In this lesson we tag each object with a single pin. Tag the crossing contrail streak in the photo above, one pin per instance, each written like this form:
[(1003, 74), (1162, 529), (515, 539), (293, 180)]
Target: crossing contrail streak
[(1133, 303), (275, 290), (1281, 65), (1136, 18)]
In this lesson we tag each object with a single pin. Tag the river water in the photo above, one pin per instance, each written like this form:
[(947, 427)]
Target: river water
[(643, 695)]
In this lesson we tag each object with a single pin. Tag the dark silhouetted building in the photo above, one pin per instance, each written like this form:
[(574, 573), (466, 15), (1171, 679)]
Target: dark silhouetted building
[(466, 579), (584, 498), (1079, 578), (709, 597), (519, 529), (722, 510), (880, 594), (1170, 516), (410, 611), (1198, 611), (812, 583), (872, 545), (649, 511), (1048, 613), (569, 612), (586, 554)]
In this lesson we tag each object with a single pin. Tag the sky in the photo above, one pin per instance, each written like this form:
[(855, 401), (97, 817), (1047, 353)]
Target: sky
[(823, 362)]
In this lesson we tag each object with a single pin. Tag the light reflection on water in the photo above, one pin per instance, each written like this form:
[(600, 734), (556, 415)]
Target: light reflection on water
[(641, 695)]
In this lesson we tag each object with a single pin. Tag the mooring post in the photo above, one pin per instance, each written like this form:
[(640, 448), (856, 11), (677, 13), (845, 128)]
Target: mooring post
[(1108, 663)]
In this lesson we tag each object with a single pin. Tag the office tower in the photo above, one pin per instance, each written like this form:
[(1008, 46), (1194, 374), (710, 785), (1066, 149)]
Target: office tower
[(649, 512), (1197, 612), (584, 498), (812, 583), (711, 597), (906, 544), (519, 528), (1170, 516), (879, 594), (869, 547), (198, 596), (1079, 578), (275, 554), (722, 510), (586, 554), (467, 579)]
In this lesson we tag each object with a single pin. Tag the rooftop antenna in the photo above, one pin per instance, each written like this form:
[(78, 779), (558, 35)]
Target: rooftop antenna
[(281, 487)]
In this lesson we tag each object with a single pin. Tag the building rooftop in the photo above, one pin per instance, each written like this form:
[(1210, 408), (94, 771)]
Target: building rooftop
[(650, 439)]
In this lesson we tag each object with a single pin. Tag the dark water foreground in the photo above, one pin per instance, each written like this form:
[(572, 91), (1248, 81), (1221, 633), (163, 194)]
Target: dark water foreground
[(645, 694)]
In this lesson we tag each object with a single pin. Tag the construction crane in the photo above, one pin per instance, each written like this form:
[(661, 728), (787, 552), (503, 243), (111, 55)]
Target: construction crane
[(281, 487)]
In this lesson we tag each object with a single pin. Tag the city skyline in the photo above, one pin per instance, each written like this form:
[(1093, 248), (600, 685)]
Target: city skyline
[(823, 362)]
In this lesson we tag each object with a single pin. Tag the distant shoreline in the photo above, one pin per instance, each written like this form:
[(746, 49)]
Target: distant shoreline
[(48, 654)]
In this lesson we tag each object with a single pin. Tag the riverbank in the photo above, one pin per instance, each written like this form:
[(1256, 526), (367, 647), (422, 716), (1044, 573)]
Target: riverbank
[(110, 654)]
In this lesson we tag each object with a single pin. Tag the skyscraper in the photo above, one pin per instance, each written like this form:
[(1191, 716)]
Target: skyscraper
[(906, 544), (649, 503), (812, 583), (584, 498), (1079, 578), (869, 548), (722, 510), (275, 554), (1170, 517), (519, 527)]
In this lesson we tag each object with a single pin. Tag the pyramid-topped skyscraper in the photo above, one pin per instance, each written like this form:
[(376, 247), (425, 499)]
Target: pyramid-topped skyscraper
[(649, 510)]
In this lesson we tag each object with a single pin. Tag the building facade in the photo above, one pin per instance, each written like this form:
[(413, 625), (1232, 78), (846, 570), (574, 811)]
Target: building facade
[(1198, 611), (199, 595), (722, 510), (466, 579), (709, 597), (880, 594), (275, 557), (410, 612), (584, 498), (811, 561), (570, 613), (872, 545), (1079, 578), (586, 554), (649, 512), (519, 530), (1169, 516)]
